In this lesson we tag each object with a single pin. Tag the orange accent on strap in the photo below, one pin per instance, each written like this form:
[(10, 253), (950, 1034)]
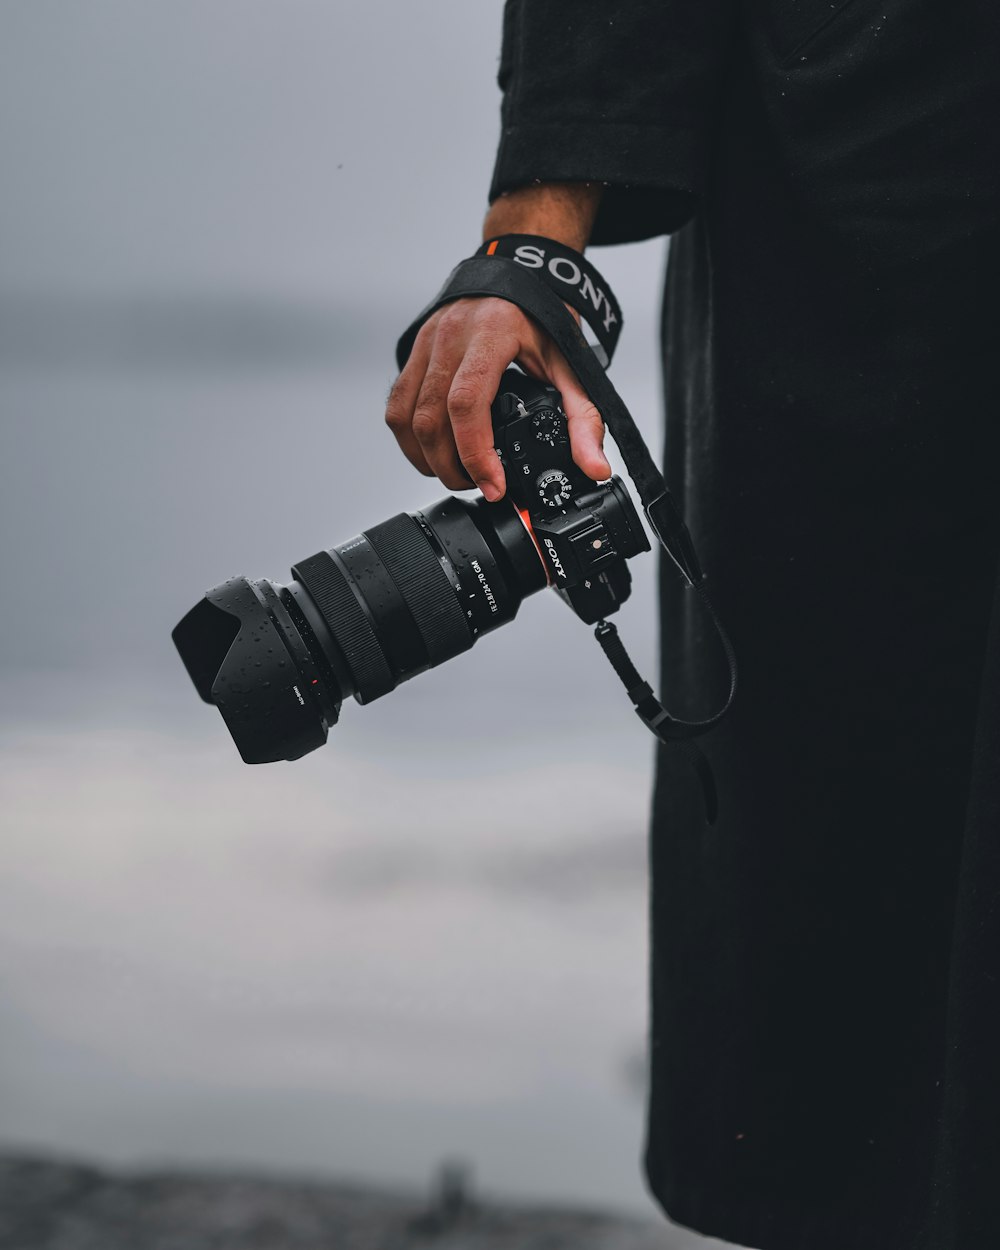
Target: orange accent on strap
[(525, 516), (492, 247)]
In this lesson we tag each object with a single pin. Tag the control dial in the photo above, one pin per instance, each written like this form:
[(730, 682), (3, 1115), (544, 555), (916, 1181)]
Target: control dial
[(554, 488), (548, 427)]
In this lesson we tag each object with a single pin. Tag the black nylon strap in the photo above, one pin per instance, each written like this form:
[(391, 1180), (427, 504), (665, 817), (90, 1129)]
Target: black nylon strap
[(573, 278)]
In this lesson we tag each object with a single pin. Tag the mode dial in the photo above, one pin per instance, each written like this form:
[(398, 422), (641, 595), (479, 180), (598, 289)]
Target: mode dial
[(554, 488)]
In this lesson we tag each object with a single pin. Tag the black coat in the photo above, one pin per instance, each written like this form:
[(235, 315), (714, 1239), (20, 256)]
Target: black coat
[(826, 961)]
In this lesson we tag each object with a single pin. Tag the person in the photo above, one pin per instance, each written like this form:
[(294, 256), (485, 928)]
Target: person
[(825, 1024)]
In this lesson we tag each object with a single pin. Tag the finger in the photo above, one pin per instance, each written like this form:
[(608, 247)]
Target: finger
[(472, 392), (586, 429), (431, 426), (402, 401)]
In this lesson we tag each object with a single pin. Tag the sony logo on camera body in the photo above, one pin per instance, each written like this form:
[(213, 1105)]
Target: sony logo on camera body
[(563, 269), (553, 556)]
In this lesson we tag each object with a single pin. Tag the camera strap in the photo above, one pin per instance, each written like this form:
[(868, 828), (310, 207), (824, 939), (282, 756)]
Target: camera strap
[(506, 278), (573, 278)]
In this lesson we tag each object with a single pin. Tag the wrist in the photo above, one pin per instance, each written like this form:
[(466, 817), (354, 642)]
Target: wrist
[(564, 211)]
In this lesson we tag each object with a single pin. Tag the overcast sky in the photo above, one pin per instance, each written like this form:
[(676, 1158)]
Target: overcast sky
[(305, 147), (217, 215)]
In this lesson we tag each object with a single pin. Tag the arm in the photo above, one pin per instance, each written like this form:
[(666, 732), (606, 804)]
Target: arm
[(607, 123), (622, 94)]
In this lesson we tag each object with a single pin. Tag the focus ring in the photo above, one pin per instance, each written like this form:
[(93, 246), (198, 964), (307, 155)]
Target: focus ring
[(423, 583), (348, 623)]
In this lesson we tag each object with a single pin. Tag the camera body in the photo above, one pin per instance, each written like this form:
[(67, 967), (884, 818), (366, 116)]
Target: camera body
[(414, 591), (584, 530)]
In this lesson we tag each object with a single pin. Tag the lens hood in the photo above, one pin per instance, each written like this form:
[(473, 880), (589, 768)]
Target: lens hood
[(246, 656)]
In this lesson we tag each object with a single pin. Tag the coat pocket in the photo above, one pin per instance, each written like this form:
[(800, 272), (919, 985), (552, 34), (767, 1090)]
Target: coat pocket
[(790, 25)]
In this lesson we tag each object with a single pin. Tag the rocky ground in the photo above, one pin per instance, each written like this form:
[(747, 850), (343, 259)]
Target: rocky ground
[(46, 1205)]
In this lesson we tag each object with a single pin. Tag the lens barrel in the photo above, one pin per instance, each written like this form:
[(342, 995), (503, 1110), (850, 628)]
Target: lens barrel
[(359, 618)]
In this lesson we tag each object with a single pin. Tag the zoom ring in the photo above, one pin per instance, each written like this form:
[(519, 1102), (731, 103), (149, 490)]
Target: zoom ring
[(348, 623), (404, 550)]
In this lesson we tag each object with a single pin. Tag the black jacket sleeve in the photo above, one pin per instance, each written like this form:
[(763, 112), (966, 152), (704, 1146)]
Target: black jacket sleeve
[(621, 93)]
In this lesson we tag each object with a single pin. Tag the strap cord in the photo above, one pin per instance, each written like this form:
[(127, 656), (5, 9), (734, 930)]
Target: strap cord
[(651, 711)]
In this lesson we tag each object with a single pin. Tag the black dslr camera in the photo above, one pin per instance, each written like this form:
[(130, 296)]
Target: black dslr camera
[(410, 593)]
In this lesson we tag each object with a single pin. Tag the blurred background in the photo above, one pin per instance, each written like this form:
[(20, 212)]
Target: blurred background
[(428, 939)]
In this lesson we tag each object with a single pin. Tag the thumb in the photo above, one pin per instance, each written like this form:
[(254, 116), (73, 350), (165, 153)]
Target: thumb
[(586, 429)]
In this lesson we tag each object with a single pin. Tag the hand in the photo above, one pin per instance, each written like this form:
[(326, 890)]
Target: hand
[(439, 406)]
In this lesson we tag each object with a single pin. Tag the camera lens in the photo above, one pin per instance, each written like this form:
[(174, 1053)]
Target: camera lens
[(358, 619)]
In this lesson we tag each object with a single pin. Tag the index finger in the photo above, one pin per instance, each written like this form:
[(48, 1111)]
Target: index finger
[(472, 390)]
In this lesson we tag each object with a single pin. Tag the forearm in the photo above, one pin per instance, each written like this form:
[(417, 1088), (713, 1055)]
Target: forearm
[(558, 210)]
